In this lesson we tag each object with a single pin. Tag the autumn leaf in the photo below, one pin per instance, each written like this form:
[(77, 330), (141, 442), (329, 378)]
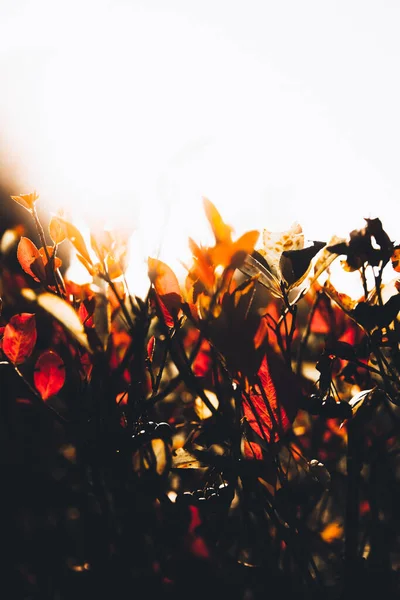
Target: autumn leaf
[(252, 450), (75, 237), (203, 269), (19, 337), (57, 262), (271, 411), (30, 259), (166, 285), (26, 200), (57, 230), (102, 318), (49, 374), (221, 231)]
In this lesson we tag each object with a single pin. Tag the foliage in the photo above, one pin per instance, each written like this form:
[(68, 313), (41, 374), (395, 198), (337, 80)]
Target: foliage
[(234, 433)]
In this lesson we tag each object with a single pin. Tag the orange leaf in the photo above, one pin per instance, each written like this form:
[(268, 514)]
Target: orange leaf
[(75, 237), (49, 374), (30, 259), (26, 200), (166, 285), (19, 337), (57, 262), (245, 244), (203, 267), (57, 230), (252, 450), (221, 231)]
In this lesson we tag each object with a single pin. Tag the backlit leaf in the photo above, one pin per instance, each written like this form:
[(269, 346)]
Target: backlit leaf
[(75, 237), (49, 374), (57, 262), (19, 337), (221, 231), (30, 259), (57, 230), (26, 200), (274, 243), (272, 419), (62, 311), (395, 258), (166, 285)]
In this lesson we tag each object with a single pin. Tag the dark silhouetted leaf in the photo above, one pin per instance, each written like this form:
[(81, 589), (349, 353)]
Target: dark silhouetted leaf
[(295, 264), (102, 318)]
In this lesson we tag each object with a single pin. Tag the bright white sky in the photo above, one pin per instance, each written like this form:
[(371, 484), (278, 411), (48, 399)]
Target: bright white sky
[(275, 110)]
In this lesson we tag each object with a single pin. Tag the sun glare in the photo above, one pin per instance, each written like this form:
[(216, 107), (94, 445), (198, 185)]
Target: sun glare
[(126, 114)]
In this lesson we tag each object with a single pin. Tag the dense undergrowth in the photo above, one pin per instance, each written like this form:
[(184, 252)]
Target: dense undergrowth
[(234, 435)]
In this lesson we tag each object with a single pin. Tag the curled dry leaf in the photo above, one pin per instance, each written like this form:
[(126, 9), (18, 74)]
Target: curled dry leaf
[(19, 337), (49, 374)]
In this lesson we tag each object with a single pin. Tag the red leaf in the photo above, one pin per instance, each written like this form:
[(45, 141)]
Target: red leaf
[(203, 361), (252, 450), (221, 231), (272, 419), (30, 259), (19, 337), (49, 375), (150, 347)]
